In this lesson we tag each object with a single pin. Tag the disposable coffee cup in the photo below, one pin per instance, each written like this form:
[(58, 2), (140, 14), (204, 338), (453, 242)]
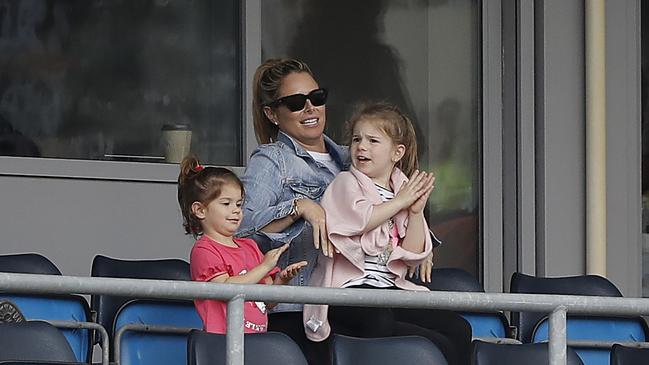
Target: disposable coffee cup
[(177, 140)]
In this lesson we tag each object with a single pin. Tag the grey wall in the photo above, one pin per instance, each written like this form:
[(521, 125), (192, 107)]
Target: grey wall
[(71, 220), (560, 137), (560, 143)]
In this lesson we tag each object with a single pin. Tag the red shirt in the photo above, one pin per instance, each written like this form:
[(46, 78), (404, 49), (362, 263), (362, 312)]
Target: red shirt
[(210, 259)]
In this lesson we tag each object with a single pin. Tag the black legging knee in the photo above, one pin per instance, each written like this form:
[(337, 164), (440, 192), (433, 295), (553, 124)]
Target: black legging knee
[(447, 330)]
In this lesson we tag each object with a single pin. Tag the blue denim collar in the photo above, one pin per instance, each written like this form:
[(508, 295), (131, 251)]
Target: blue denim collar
[(338, 153)]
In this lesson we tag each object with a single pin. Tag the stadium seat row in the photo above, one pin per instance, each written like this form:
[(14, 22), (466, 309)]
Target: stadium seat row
[(154, 331)]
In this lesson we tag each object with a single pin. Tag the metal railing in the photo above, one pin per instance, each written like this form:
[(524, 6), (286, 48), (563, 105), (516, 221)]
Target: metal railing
[(89, 326), (557, 305)]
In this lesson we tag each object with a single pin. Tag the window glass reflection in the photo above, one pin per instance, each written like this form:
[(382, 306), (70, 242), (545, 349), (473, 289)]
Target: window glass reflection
[(644, 37), (423, 56), (92, 79)]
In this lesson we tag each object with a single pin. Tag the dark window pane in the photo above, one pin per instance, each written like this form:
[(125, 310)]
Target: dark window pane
[(87, 79), (423, 56)]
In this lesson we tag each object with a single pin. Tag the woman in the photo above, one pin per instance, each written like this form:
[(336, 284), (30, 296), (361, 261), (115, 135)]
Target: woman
[(286, 177), (284, 182)]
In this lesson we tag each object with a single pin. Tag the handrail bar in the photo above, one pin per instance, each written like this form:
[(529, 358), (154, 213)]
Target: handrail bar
[(556, 305), (176, 289)]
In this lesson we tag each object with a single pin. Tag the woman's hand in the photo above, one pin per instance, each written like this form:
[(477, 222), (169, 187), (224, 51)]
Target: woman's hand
[(289, 273), (313, 213), (425, 269)]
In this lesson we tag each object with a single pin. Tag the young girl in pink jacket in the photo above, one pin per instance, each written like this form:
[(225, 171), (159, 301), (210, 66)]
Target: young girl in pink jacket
[(375, 221)]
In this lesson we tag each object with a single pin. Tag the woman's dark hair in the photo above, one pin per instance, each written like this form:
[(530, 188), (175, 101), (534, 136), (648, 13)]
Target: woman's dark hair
[(265, 84), (396, 125), (200, 184)]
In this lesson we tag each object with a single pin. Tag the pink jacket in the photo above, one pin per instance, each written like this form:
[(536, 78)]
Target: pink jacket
[(348, 202)]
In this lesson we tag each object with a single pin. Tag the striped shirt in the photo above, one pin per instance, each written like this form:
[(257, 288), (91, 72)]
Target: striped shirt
[(376, 272)]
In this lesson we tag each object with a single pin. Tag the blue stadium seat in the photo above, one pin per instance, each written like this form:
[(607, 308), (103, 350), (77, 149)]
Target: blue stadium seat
[(60, 308), (485, 353), (34, 341), (607, 329), (154, 332), (483, 325), (533, 327), (49, 307), (348, 350), (624, 355), (106, 306), (259, 349)]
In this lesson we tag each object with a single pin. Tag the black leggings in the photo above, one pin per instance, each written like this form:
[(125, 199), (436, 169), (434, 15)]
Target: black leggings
[(446, 329), (290, 323)]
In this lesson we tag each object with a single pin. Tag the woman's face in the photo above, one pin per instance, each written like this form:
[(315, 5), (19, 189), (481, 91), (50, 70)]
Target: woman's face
[(307, 125)]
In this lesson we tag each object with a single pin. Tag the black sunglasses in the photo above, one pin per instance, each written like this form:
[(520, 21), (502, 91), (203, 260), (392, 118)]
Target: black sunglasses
[(296, 102)]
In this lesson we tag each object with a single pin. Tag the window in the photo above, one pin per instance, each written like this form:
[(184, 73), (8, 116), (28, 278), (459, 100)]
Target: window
[(94, 79), (98, 80), (644, 39), (423, 56)]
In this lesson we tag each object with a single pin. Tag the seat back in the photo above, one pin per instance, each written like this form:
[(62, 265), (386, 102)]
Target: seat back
[(259, 349), (575, 285), (624, 355), (485, 353), (597, 329), (28, 263), (72, 308), (163, 341), (452, 279), (348, 350), (18, 362), (34, 341), (483, 324), (49, 307), (106, 306)]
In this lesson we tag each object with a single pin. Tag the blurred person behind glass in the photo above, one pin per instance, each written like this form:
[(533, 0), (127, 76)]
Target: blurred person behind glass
[(14, 143)]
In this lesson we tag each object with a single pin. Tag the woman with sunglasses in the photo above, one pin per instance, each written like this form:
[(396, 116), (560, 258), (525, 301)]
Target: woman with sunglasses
[(286, 177)]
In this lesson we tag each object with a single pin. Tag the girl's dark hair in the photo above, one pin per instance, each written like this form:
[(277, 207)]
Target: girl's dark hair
[(265, 84), (200, 184), (396, 125)]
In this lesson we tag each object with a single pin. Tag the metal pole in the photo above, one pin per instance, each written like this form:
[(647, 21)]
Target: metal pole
[(234, 332), (557, 345), (595, 22), (459, 301)]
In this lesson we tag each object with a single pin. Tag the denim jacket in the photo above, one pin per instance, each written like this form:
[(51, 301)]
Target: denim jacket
[(277, 174)]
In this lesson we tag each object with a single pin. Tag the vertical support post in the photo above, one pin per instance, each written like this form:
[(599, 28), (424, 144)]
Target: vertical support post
[(558, 342), (234, 332), (595, 21)]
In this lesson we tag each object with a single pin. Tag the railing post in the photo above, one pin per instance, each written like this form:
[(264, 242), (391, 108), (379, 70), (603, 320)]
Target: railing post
[(558, 344), (234, 332)]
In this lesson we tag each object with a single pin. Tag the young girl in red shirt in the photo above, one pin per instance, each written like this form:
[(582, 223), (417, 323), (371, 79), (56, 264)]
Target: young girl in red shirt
[(210, 201)]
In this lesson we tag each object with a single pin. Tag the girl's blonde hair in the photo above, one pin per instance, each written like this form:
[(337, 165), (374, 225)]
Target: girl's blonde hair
[(200, 184), (395, 125), (265, 84)]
